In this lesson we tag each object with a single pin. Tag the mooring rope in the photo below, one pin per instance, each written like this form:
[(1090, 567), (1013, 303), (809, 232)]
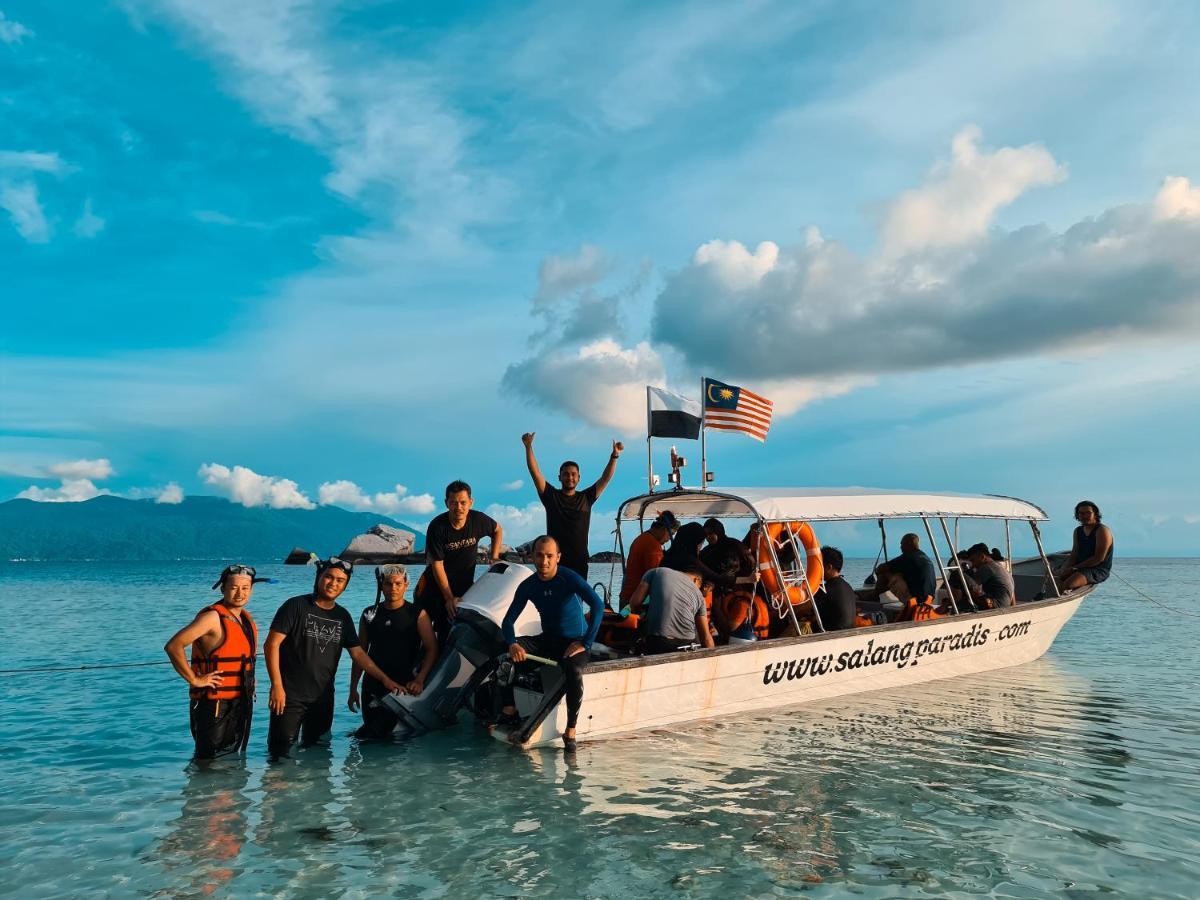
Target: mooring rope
[(1145, 596)]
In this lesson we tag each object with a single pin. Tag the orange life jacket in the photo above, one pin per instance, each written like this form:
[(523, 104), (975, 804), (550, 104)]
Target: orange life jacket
[(233, 657), (734, 606), (918, 611)]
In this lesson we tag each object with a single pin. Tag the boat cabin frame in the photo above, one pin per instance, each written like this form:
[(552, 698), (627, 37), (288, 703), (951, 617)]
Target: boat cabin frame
[(766, 506)]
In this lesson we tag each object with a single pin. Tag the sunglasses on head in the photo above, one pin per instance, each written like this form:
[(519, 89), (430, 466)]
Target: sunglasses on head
[(235, 570)]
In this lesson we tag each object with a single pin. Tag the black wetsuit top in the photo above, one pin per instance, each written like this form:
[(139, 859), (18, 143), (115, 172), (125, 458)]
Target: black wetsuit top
[(392, 642)]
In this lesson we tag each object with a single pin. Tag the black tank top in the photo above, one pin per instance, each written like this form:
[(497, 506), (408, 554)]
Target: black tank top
[(1087, 547), (393, 642)]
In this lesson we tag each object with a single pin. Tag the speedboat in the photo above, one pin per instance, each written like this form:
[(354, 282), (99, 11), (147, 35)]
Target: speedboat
[(628, 693)]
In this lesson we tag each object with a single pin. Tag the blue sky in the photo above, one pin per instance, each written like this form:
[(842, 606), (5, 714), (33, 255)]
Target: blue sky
[(288, 251)]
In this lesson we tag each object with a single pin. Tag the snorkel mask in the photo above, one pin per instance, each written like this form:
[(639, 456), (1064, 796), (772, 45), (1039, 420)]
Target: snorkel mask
[(236, 569), (334, 562)]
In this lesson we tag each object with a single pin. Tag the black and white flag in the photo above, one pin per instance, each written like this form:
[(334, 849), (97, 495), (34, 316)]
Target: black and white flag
[(672, 415)]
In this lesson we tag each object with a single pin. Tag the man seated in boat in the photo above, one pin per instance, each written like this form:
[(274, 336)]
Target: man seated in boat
[(720, 547), (837, 603), (677, 616), (995, 583), (646, 552), (557, 593), (1091, 550), (912, 565)]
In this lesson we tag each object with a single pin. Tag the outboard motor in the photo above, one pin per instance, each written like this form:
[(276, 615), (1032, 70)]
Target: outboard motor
[(474, 642)]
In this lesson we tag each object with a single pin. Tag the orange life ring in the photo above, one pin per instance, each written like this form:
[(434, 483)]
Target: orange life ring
[(777, 534)]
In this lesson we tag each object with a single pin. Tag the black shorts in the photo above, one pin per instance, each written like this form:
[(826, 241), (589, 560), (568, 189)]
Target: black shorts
[(1094, 574), (309, 721), (378, 721), (220, 726)]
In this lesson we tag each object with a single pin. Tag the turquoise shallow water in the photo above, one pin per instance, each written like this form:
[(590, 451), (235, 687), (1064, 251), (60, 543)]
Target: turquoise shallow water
[(1073, 776)]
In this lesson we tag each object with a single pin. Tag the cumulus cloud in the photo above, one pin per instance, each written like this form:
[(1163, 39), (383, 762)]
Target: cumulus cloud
[(349, 495), (171, 494), (93, 469), (520, 523), (580, 363), (247, 487), (817, 310), (72, 490), (601, 383), (960, 198), (1177, 199), (12, 32), (513, 485)]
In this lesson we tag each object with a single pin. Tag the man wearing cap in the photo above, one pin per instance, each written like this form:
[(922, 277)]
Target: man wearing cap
[(646, 552), (224, 642), (302, 651)]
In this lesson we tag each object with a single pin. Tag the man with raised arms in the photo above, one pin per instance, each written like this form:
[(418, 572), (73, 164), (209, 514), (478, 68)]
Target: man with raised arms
[(568, 509), (558, 594), (451, 552), (224, 642), (302, 651)]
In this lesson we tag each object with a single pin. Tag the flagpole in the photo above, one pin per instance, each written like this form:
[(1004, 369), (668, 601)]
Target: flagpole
[(703, 441), (649, 451)]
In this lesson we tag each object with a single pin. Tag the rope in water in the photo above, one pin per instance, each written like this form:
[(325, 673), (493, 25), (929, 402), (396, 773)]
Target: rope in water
[(1145, 596)]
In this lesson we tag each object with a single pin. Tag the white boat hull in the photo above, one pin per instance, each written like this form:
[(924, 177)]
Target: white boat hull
[(622, 696)]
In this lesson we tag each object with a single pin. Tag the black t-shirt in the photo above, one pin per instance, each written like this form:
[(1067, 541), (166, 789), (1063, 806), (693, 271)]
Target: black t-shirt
[(457, 549), (568, 519), (308, 659), (393, 642), (837, 603), (917, 571)]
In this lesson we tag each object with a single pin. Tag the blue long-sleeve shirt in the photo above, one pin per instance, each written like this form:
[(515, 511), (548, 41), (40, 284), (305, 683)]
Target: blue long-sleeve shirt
[(557, 601)]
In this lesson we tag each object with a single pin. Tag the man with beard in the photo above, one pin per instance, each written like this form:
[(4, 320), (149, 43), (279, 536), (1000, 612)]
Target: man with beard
[(302, 651)]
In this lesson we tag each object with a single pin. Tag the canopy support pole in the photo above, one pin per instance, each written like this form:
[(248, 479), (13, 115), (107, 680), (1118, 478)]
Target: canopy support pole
[(812, 598), (1008, 546), (649, 449), (1037, 536), (938, 557), (762, 536), (962, 576)]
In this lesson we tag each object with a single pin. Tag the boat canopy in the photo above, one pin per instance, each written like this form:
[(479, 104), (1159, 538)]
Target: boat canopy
[(825, 504)]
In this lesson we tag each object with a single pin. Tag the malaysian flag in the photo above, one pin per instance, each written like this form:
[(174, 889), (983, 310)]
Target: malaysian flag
[(730, 408)]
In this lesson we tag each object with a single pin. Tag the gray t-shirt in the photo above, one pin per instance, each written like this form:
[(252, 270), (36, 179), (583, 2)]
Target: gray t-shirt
[(997, 583), (675, 603)]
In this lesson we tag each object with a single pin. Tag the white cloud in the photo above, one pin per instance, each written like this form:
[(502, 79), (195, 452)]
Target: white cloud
[(248, 488), (513, 485), (559, 276), (20, 200), (520, 523), (72, 490), (170, 494), (93, 469), (395, 146), (349, 495), (12, 32), (1177, 199), (601, 383), (959, 200), (33, 161), (88, 225), (815, 313)]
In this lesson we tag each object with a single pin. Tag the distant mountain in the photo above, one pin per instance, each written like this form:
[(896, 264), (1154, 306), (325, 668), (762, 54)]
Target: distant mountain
[(197, 528)]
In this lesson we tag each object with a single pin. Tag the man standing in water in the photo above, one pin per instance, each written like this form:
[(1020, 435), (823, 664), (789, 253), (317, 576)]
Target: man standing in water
[(302, 652), (451, 550), (224, 640), (393, 633), (569, 510), (557, 593)]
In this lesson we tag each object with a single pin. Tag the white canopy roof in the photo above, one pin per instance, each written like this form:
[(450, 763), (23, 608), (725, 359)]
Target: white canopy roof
[(824, 504)]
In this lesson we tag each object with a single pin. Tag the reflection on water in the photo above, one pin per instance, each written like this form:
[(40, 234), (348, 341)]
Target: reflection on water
[(1070, 776)]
